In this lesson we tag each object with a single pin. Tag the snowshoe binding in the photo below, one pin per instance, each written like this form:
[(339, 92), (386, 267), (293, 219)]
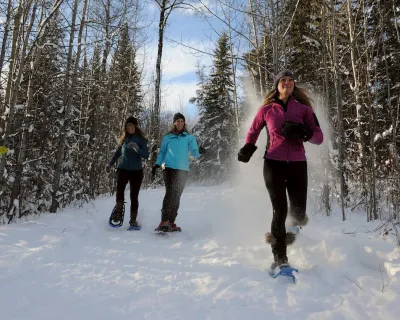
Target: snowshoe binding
[(117, 216), (134, 225), (164, 226), (283, 269)]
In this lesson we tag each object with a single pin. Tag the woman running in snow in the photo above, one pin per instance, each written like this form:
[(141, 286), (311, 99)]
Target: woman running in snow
[(174, 154), (131, 149), (290, 121)]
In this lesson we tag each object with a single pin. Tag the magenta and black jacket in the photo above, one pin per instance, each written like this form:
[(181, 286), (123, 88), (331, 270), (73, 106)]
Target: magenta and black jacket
[(273, 116)]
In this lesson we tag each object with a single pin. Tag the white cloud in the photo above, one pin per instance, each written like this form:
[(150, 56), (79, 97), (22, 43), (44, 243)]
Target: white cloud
[(198, 7), (177, 60), (175, 96)]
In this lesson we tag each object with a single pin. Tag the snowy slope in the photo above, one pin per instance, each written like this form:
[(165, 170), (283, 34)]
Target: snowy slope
[(73, 266)]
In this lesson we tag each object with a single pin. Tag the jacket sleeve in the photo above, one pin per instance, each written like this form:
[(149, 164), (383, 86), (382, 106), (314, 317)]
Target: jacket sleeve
[(143, 149), (256, 127), (312, 122), (193, 147), (163, 151), (115, 157)]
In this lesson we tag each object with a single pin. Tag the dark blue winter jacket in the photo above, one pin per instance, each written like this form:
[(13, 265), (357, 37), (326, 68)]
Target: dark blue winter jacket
[(130, 159)]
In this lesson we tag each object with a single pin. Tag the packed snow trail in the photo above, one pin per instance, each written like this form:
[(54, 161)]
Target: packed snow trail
[(72, 265)]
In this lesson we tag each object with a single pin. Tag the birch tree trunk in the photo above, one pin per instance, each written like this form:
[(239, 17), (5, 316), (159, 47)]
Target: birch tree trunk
[(372, 118), (5, 35), (339, 108), (68, 92), (25, 125), (13, 80), (326, 99), (359, 104)]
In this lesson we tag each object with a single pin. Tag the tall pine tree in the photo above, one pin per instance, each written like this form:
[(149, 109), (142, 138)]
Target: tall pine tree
[(216, 130)]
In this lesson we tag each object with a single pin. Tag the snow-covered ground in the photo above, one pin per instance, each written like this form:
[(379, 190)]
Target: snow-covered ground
[(73, 266)]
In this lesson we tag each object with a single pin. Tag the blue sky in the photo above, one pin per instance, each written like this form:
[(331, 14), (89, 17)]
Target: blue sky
[(179, 80)]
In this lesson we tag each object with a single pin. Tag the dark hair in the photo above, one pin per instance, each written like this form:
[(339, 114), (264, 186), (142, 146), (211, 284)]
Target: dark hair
[(138, 131)]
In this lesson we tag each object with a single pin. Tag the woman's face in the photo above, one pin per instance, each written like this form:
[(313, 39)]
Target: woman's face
[(130, 128), (179, 124), (286, 86)]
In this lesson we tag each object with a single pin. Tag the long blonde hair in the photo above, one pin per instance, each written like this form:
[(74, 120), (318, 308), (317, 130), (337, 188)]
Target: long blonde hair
[(138, 131), (300, 94)]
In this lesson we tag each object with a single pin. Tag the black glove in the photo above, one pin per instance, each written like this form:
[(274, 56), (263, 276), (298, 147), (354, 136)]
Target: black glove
[(307, 132), (108, 168), (202, 150), (296, 131), (153, 170), (246, 152)]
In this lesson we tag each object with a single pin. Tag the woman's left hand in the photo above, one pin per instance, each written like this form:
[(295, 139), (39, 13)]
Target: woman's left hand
[(133, 145)]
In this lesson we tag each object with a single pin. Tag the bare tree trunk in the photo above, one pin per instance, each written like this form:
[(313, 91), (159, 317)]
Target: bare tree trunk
[(105, 84), (13, 81), (396, 19), (166, 7), (339, 110), (233, 61), (326, 187), (373, 214), (155, 124), (359, 105), (68, 92), (25, 126), (5, 35), (257, 48)]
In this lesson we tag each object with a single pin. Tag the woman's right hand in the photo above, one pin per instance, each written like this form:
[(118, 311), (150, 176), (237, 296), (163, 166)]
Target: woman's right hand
[(246, 152)]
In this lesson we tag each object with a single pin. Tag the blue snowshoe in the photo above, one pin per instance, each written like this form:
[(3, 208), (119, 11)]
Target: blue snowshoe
[(134, 226), (284, 270)]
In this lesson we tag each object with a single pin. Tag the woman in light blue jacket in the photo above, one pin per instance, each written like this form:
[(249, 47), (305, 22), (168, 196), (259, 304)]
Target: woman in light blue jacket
[(174, 154)]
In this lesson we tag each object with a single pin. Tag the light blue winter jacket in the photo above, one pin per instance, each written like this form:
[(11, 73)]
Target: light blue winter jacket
[(174, 150)]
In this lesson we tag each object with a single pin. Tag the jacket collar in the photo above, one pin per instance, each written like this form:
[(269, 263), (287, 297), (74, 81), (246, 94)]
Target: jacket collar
[(184, 133)]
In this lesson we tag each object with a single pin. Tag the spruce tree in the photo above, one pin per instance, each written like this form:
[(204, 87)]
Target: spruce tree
[(215, 130)]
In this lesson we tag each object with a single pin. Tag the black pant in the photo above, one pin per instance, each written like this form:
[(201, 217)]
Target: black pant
[(175, 181), (280, 176), (135, 179)]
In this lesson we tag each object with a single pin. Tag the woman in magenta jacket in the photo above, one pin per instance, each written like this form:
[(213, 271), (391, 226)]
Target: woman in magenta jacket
[(290, 121)]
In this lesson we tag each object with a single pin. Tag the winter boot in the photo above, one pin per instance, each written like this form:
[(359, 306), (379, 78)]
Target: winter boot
[(118, 212), (280, 262), (164, 226), (132, 221), (174, 227)]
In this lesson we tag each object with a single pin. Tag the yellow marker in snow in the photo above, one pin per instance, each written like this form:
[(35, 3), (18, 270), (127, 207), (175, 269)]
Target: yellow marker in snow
[(3, 150)]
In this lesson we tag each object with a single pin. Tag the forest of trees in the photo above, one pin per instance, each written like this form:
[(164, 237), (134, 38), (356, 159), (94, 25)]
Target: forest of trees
[(71, 71)]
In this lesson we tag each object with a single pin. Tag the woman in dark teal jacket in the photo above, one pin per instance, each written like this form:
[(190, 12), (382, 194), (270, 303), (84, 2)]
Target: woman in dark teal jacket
[(131, 149), (174, 155)]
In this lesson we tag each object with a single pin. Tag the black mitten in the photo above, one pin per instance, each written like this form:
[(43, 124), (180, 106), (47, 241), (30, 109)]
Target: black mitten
[(246, 152), (306, 132), (296, 131), (153, 170)]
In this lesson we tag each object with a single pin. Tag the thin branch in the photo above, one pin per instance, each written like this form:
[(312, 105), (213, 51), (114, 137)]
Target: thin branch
[(353, 282), (291, 20), (383, 282)]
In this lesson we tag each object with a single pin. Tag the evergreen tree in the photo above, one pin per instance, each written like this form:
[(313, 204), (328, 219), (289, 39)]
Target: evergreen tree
[(215, 130)]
